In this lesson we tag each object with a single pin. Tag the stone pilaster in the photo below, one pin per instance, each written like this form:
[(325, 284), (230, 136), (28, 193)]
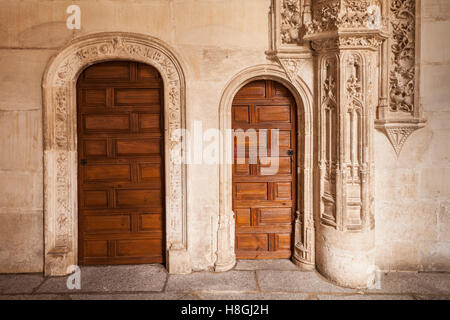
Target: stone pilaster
[(346, 36)]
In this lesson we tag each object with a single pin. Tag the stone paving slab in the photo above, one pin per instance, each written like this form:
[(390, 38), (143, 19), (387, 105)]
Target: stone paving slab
[(19, 283), (211, 281), (112, 279), (135, 296), (276, 264), (256, 296), (296, 281), (365, 297), (414, 282), (36, 297), (431, 297)]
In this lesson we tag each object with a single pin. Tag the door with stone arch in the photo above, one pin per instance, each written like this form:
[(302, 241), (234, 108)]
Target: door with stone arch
[(121, 208), (264, 190)]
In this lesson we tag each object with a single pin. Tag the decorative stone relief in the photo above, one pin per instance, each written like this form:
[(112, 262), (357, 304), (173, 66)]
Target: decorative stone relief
[(402, 70), (287, 20), (60, 142), (290, 21), (328, 140), (399, 111), (331, 15)]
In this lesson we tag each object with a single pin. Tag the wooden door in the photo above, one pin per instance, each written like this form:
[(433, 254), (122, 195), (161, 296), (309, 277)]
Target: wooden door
[(121, 165), (264, 200)]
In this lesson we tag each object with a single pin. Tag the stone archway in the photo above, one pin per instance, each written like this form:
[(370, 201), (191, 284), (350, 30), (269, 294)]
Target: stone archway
[(303, 254), (60, 143)]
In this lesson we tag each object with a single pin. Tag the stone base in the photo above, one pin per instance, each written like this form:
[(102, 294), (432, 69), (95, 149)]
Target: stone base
[(302, 264), (225, 266), (345, 258), (178, 261), (58, 263)]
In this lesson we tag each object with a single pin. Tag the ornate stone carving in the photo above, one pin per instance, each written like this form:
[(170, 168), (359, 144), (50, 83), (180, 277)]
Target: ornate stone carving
[(60, 140), (290, 21), (402, 70), (332, 15), (347, 42), (399, 111), (328, 140)]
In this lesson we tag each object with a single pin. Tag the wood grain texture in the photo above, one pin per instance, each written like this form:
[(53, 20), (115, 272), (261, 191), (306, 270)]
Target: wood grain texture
[(264, 198), (120, 172)]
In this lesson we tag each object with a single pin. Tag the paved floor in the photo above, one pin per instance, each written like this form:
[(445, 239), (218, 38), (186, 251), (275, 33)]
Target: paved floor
[(252, 280)]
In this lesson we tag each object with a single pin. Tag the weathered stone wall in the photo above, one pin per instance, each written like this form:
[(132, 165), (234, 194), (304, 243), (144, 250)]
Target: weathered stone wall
[(412, 192), (216, 39)]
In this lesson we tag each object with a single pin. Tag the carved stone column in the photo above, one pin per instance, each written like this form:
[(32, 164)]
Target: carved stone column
[(346, 36)]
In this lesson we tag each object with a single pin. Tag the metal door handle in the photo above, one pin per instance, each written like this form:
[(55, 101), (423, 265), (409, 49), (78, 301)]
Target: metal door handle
[(83, 162), (290, 152)]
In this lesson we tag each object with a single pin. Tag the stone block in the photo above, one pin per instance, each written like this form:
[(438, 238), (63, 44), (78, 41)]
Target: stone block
[(209, 281), (123, 278), (21, 238), (295, 281), (21, 77), (19, 283), (276, 265), (21, 144), (435, 256)]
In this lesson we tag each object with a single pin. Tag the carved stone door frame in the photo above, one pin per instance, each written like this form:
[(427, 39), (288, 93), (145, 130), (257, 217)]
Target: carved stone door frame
[(60, 142), (303, 254)]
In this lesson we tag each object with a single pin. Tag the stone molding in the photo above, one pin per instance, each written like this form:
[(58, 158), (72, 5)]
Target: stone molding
[(60, 142), (303, 254)]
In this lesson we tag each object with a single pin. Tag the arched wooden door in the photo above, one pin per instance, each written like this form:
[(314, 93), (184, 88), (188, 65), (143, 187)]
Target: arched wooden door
[(264, 198), (121, 165)]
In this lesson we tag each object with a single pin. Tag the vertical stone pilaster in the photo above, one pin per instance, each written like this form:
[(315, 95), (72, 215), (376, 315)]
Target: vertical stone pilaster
[(346, 38)]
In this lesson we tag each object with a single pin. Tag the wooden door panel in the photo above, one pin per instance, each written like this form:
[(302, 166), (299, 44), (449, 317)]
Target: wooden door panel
[(135, 147), (94, 148), (113, 223), (107, 72), (251, 191), (106, 123), (138, 247), (136, 96), (273, 114), (271, 216), (253, 241), (264, 192), (94, 97), (149, 121), (95, 198), (96, 248), (150, 222), (241, 114), (107, 172), (253, 90), (282, 191), (138, 198), (121, 171)]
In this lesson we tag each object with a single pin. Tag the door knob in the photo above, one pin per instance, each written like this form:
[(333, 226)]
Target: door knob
[(290, 152), (83, 162)]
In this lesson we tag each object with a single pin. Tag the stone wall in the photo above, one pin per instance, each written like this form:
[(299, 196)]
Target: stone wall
[(216, 39), (412, 192)]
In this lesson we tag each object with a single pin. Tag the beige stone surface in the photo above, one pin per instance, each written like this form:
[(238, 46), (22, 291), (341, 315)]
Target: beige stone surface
[(412, 191), (21, 77), (21, 236)]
